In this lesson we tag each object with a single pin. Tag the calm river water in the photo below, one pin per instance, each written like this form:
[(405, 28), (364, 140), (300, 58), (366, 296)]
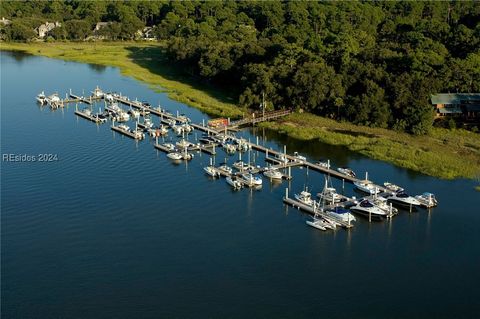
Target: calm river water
[(114, 229)]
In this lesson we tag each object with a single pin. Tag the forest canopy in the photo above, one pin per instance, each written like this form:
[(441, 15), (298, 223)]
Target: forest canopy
[(371, 63)]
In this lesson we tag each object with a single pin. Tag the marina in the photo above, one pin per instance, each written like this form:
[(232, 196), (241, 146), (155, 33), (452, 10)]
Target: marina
[(246, 175), (176, 230)]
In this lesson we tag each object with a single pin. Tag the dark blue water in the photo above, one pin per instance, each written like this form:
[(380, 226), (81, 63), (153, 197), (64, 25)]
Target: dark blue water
[(113, 229)]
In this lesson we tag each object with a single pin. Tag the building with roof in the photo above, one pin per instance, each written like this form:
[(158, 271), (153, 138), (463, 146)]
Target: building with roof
[(457, 104), (43, 29)]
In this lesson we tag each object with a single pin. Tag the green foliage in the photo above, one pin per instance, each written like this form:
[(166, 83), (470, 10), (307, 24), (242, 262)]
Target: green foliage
[(371, 63)]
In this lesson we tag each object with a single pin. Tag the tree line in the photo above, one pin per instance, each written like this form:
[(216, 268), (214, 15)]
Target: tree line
[(371, 63)]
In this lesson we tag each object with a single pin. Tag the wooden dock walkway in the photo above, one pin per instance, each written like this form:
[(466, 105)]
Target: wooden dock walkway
[(127, 133), (88, 116)]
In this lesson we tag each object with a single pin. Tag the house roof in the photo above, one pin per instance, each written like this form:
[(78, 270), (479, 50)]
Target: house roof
[(455, 98), (450, 110)]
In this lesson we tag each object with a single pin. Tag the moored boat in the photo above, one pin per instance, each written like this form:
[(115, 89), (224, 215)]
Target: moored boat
[(234, 181), (368, 209), (41, 98), (273, 173), (347, 171), (402, 199), (427, 200)]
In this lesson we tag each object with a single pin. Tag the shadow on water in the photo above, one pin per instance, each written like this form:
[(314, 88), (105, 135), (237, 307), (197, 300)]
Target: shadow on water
[(97, 68), (315, 149), (154, 59), (19, 56)]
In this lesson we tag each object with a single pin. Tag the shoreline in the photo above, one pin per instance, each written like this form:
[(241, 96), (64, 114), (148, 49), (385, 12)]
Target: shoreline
[(446, 154)]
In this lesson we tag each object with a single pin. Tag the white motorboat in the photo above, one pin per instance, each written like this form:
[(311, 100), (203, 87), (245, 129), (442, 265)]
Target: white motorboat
[(122, 116), (147, 124), (403, 199), (124, 127), (134, 113), (187, 128), (273, 173), (41, 98), (138, 134), (100, 118), (282, 158), (225, 168), (183, 143), (242, 166), (323, 164), (251, 180), (366, 186), (54, 100), (346, 171), (210, 170), (229, 148), (330, 195), (393, 187), (234, 181), (317, 223), (382, 203), (187, 156), (98, 93), (175, 156), (427, 200), (178, 130), (367, 208), (169, 146), (305, 197), (340, 213), (183, 118), (171, 122), (299, 157)]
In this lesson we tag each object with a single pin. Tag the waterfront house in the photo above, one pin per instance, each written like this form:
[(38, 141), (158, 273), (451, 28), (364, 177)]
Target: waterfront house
[(43, 29), (5, 21), (465, 105)]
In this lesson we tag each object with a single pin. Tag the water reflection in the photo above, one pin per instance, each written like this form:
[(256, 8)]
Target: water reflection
[(97, 68)]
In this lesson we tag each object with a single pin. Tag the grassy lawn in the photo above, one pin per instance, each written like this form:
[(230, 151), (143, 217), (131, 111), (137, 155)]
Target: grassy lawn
[(443, 153)]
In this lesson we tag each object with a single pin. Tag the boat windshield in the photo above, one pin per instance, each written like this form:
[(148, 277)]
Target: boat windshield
[(366, 203), (402, 195)]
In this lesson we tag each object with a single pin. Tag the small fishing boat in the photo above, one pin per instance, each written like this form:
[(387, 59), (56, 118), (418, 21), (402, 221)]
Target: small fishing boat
[(169, 146), (178, 130), (183, 118), (230, 148), (225, 169), (100, 118), (299, 157), (305, 197), (427, 200), (175, 156), (122, 116), (393, 187), (138, 134), (183, 143), (124, 127), (251, 180), (41, 98), (346, 171), (366, 186), (234, 181), (187, 156), (282, 158), (134, 113), (187, 128), (210, 170), (321, 163), (147, 124), (273, 173), (330, 195), (171, 122), (54, 101)]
